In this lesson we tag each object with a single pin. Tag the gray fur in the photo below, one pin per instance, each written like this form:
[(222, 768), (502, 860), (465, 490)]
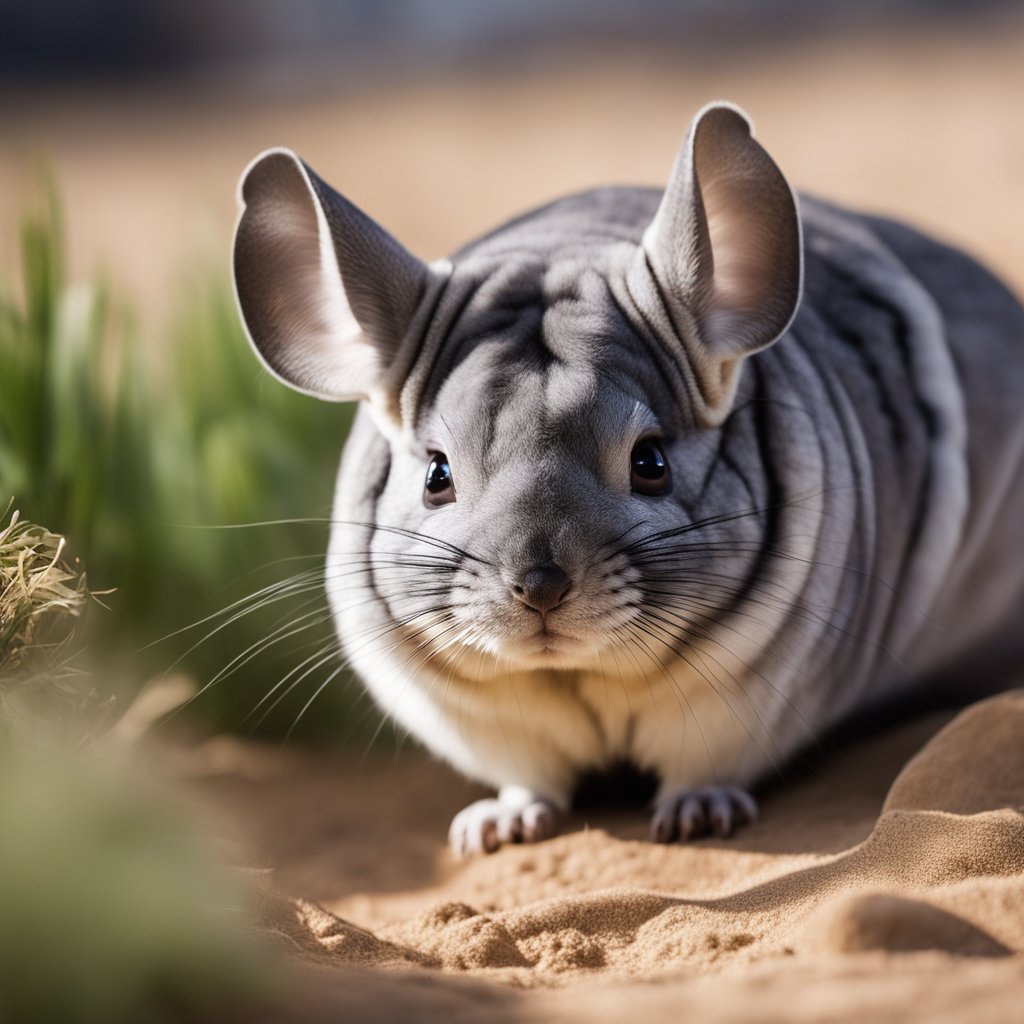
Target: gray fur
[(848, 502)]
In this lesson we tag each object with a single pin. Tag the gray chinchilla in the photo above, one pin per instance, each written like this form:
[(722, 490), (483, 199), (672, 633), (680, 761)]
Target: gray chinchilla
[(677, 478)]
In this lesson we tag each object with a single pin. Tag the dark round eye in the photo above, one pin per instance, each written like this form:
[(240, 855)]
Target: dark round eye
[(648, 469), (438, 489)]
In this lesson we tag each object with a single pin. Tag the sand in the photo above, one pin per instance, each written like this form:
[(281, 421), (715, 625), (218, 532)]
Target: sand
[(884, 880)]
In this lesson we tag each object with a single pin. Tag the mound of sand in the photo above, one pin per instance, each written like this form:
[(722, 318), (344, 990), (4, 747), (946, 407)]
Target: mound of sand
[(887, 882)]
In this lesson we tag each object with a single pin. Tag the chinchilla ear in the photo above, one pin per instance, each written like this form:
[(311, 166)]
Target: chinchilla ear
[(326, 294), (725, 251)]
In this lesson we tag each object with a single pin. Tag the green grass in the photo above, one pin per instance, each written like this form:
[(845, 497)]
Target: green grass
[(113, 908), (139, 448)]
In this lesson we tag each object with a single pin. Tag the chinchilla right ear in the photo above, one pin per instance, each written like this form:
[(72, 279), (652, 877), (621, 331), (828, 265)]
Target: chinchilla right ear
[(725, 253), (326, 294)]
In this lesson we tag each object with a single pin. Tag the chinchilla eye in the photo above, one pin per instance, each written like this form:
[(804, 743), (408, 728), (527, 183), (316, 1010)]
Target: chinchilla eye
[(648, 469), (439, 488)]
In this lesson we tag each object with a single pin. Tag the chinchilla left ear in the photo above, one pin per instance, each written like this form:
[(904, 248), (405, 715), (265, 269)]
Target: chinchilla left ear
[(725, 252), (326, 294)]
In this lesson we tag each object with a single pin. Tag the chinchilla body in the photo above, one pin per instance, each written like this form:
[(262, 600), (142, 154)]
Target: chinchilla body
[(680, 478)]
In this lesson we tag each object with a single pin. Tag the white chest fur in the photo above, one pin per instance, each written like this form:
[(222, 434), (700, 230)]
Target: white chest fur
[(540, 729)]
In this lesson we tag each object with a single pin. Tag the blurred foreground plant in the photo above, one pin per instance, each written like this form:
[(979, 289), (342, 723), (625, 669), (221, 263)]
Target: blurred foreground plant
[(112, 910), (138, 451)]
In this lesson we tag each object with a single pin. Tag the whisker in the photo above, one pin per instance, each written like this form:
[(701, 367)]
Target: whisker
[(319, 658), (677, 691), (712, 678)]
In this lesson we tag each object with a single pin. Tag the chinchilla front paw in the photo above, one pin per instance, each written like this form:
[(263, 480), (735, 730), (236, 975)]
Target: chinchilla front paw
[(516, 816), (689, 813)]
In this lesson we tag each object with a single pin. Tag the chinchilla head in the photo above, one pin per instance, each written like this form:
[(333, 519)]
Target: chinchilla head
[(545, 404)]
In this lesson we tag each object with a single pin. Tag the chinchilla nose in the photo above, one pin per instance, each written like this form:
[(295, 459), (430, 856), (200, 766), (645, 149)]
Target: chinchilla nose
[(543, 587)]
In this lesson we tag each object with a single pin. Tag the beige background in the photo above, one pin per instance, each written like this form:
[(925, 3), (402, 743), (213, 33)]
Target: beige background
[(925, 124)]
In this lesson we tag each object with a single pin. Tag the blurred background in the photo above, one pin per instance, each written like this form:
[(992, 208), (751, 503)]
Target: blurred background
[(133, 419)]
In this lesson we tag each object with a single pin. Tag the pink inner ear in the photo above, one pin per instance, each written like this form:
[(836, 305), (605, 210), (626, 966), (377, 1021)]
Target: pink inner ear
[(744, 272), (741, 260), (754, 236)]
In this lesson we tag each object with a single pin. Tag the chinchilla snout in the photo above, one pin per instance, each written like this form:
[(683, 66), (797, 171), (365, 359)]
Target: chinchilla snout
[(546, 577), (543, 588)]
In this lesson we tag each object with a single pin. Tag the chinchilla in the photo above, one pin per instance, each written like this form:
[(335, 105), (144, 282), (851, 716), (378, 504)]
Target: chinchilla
[(680, 478)]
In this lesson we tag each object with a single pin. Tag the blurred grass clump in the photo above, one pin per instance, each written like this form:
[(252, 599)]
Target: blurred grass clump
[(112, 909), (136, 448)]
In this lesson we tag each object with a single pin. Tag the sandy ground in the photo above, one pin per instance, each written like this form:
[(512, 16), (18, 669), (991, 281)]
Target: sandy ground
[(883, 881)]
